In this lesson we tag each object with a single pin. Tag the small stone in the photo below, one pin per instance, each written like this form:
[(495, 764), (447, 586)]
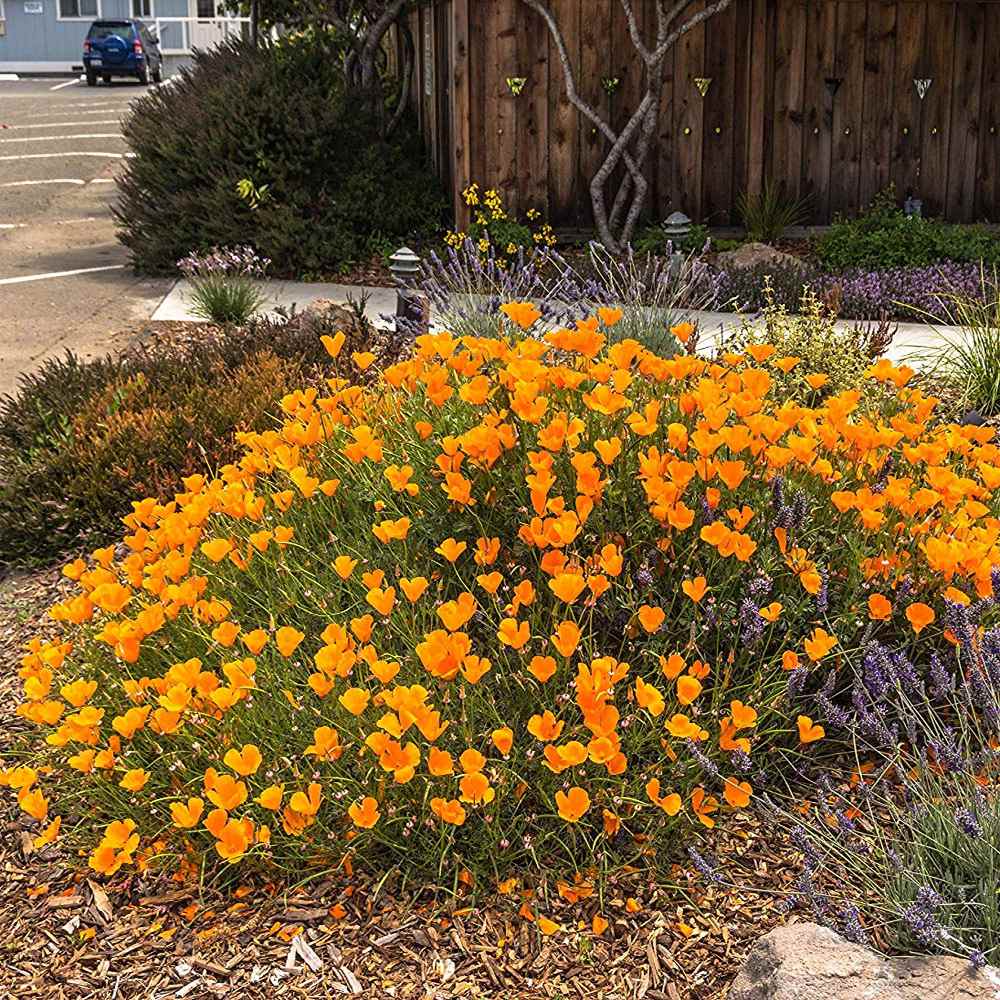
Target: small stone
[(809, 962)]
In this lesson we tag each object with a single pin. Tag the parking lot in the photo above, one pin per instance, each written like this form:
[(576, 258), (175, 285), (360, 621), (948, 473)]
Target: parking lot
[(64, 278)]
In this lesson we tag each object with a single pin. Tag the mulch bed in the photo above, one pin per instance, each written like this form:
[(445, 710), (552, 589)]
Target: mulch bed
[(147, 936)]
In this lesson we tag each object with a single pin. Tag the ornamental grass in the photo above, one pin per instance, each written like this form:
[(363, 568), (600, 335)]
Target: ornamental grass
[(522, 603)]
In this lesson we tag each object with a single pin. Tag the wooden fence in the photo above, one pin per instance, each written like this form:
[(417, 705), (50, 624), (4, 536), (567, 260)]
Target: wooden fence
[(818, 95)]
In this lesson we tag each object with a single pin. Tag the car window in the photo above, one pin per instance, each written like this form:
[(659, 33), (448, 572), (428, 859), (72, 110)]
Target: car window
[(108, 28)]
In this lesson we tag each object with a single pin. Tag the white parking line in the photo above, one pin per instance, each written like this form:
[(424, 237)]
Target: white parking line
[(60, 274), (58, 222), (61, 114), (51, 138), (49, 156), (103, 121), (68, 83), (54, 180)]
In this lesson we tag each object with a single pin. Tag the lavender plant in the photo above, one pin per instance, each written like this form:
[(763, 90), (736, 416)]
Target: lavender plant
[(911, 837), (222, 283), (467, 287), (654, 293)]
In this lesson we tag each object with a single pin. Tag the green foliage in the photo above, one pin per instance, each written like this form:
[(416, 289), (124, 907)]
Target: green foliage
[(244, 120), (225, 298), (768, 213), (654, 240), (811, 335), (884, 237), (82, 438), (493, 229), (970, 360)]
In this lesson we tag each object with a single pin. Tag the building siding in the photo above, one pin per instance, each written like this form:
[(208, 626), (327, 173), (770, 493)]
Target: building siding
[(42, 42)]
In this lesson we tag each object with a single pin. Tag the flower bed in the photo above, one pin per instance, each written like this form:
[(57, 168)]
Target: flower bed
[(524, 603)]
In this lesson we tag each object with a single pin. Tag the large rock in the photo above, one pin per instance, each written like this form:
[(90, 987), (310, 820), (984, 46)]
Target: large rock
[(752, 254), (808, 962)]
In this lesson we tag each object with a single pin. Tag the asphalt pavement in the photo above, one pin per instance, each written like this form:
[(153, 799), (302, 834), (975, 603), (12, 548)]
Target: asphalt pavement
[(65, 282)]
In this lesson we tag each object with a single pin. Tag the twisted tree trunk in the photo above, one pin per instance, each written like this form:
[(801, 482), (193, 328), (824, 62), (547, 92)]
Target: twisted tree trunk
[(631, 145)]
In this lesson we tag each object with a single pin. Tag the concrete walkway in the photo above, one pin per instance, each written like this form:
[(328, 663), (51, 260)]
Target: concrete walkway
[(912, 341)]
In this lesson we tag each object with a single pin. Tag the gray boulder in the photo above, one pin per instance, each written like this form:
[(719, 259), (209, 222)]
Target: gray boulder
[(752, 254), (809, 962)]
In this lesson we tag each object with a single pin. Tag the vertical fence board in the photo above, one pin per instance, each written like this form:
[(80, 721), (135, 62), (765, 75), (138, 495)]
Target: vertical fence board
[(719, 145), (821, 51), (564, 120), (689, 117), (904, 166), (879, 80), (595, 35), (532, 109), (789, 95), (848, 107), (742, 17), (461, 109), (936, 111), (988, 175), (963, 142)]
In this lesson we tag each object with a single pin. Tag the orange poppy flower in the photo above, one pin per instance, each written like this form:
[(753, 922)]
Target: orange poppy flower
[(414, 588), (809, 731), (476, 788), (688, 689), (672, 666), (355, 700), (186, 814), (819, 644), (670, 803), (568, 586), (270, 798), (572, 804), (448, 811), (542, 667), (245, 761), (737, 793), (651, 618), (648, 697), (919, 616), (695, 589), (514, 633), (879, 608), (439, 762), (545, 727), (451, 549), (743, 716), (490, 582), (704, 805), (566, 638), (524, 314), (364, 814)]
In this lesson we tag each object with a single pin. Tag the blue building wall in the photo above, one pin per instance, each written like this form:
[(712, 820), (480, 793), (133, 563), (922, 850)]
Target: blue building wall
[(38, 43)]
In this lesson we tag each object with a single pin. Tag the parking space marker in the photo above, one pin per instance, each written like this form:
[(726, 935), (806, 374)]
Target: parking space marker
[(52, 138), (60, 274), (68, 83), (102, 121), (49, 156), (54, 180)]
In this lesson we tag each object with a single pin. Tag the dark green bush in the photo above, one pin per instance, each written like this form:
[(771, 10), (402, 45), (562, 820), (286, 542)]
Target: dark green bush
[(83, 438), (320, 187), (884, 237)]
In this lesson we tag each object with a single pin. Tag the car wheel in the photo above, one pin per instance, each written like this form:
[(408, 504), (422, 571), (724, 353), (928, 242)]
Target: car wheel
[(144, 75), (106, 77), (158, 75), (91, 79)]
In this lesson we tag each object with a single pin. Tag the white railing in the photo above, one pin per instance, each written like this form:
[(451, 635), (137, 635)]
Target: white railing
[(179, 35)]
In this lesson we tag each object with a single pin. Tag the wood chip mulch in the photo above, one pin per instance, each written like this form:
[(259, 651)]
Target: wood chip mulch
[(64, 936)]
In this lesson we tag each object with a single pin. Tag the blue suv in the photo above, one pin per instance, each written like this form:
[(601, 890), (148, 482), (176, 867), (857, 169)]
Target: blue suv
[(121, 48)]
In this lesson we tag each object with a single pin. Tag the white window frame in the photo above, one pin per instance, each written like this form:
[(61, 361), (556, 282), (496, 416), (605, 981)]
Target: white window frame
[(84, 17), (147, 19), (1, 11)]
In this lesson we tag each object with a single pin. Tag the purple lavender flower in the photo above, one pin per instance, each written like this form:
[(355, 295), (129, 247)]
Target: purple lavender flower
[(704, 866), (921, 916), (965, 820), (851, 927)]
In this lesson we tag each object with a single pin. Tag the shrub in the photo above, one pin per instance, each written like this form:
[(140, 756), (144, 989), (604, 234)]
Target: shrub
[(517, 603), (743, 288), (816, 359), (901, 849), (653, 239), (81, 438), (273, 116), (884, 237), (222, 283), (495, 233)]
